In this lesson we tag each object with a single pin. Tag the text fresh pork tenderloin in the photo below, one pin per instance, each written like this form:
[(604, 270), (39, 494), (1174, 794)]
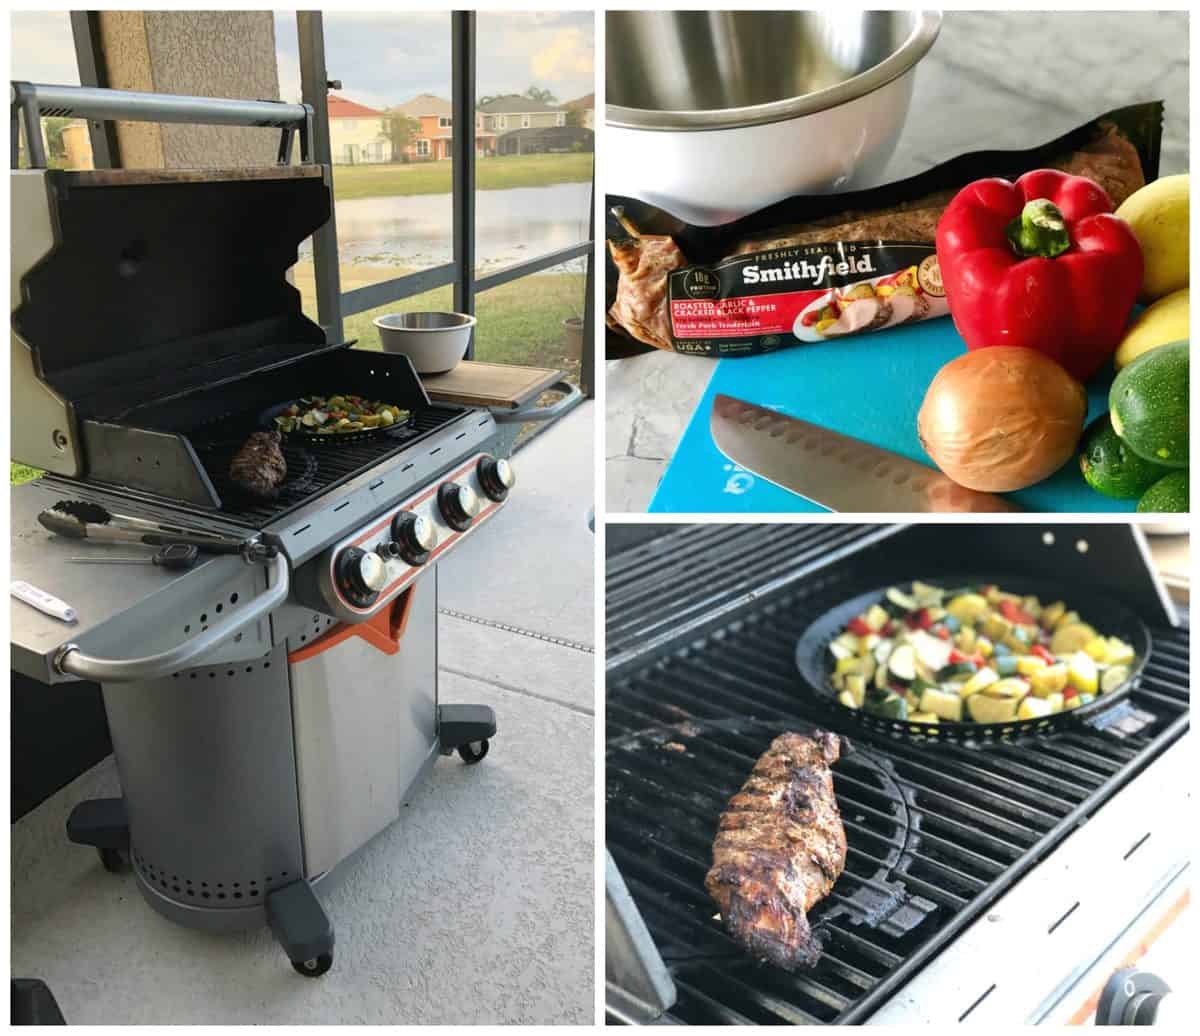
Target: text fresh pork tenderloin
[(780, 847), (644, 262)]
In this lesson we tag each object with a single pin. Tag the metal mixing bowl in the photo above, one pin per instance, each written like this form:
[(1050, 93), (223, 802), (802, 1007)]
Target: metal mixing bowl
[(811, 101)]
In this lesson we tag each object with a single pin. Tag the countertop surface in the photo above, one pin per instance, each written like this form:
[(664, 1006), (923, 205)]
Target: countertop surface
[(993, 80)]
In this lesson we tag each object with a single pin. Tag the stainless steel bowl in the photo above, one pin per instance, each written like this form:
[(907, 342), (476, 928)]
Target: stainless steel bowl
[(435, 342), (813, 100)]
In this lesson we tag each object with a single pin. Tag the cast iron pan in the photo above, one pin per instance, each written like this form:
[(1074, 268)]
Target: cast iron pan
[(1108, 617), (266, 421)]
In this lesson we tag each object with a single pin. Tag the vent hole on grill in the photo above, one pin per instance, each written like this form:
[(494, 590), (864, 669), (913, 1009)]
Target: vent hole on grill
[(193, 675), (204, 617), (187, 629), (220, 895), (249, 668), (233, 598), (220, 608), (205, 895)]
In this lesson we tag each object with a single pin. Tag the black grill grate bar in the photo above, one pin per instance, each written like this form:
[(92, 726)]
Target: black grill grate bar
[(717, 1013), (741, 562), (651, 611)]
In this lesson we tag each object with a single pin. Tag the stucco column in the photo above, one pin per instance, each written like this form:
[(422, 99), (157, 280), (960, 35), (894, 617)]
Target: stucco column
[(204, 53)]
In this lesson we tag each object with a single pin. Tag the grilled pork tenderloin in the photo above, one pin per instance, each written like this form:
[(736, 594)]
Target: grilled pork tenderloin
[(780, 847), (259, 466)]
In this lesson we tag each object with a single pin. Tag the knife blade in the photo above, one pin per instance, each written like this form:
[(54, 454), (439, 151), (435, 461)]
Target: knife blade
[(835, 470)]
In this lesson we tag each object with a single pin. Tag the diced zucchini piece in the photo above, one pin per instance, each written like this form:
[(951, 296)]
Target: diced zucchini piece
[(1052, 613), (1067, 619), (1011, 687), (868, 644), (967, 608), (901, 600), (1032, 606), (955, 669), (1027, 665), (1050, 680), (966, 639), (856, 687), (845, 646), (902, 663), (932, 652), (1033, 708), (986, 709), (1112, 678), (891, 706), (926, 595), (881, 677), (922, 717), (1118, 653), (977, 682), (876, 618), (1097, 647), (849, 664), (1056, 702), (847, 699), (984, 646), (1082, 673), (995, 627), (942, 703), (1071, 638)]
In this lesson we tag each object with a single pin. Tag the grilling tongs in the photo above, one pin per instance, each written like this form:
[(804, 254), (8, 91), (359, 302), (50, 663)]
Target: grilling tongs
[(83, 520)]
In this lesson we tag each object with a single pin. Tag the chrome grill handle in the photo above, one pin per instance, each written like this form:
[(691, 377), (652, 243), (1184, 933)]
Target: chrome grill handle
[(71, 661)]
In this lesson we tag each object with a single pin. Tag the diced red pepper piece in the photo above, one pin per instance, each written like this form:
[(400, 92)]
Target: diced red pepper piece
[(889, 628), (1015, 613), (858, 626), (924, 619), (978, 659), (941, 631), (957, 656), (1042, 652), (1069, 692)]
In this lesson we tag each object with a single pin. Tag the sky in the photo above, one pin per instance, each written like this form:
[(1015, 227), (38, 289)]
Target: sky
[(381, 58)]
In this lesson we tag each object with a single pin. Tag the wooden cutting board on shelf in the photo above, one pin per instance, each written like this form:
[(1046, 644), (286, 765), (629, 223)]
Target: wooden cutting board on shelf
[(501, 385)]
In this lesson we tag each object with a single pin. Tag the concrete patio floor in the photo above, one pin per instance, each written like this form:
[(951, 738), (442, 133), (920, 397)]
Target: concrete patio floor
[(476, 908)]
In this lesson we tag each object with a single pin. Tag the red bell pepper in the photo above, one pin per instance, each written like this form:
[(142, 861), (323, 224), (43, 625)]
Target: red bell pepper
[(1042, 264), (858, 626), (1015, 613)]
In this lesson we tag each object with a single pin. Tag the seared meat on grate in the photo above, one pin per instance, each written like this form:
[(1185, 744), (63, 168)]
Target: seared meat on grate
[(258, 467), (779, 849)]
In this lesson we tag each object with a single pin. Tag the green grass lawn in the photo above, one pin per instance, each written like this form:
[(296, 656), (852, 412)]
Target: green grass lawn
[(491, 174)]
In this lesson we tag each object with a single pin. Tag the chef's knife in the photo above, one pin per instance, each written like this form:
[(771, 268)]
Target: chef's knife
[(834, 470)]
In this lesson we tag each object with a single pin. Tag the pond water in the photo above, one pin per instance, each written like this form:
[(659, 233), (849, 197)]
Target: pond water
[(414, 231)]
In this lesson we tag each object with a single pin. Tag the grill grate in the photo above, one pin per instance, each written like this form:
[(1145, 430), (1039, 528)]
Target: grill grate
[(311, 471), (953, 825)]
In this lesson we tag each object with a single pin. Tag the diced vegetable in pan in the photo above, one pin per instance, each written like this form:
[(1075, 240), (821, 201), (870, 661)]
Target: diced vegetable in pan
[(973, 654), (338, 415)]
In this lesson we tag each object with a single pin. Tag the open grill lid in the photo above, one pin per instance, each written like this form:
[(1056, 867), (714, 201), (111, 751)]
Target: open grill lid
[(162, 282)]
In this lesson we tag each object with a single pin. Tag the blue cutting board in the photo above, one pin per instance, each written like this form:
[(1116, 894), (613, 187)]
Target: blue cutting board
[(869, 387)]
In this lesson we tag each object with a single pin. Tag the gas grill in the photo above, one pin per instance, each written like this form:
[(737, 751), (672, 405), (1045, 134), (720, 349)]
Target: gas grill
[(268, 719), (983, 884)]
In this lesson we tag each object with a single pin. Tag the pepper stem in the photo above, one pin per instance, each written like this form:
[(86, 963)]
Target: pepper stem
[(1039, 230)]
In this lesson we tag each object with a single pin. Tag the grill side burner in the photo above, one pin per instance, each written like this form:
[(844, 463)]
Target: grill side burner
[(951, 827)]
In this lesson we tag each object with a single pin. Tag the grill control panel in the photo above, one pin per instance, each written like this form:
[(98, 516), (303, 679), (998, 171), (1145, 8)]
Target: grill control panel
[(368, 568)]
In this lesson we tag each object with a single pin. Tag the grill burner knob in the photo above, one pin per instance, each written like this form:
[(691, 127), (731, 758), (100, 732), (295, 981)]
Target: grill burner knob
[(459, 505), (413, 537), (496, 476), (362, 574)]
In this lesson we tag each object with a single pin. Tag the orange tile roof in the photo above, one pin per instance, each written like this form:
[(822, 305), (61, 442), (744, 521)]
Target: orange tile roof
[(340, 108)]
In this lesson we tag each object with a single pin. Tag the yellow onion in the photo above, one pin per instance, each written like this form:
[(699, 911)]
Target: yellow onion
[(1001, 418)]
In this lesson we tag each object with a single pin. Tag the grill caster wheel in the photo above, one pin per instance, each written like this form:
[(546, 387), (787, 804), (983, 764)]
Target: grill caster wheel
[(473, 751), (315, 967), (113, 860)]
